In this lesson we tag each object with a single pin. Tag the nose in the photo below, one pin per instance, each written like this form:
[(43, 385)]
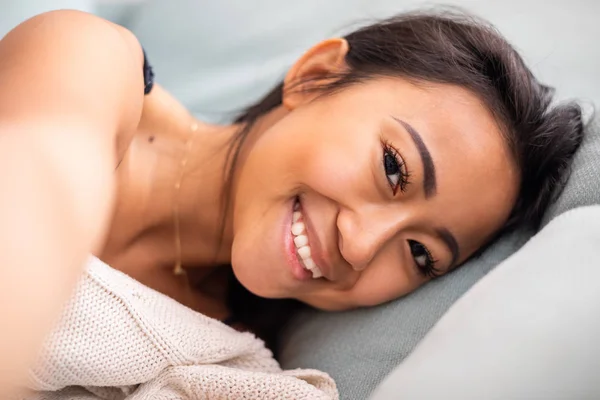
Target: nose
[(363, 233)]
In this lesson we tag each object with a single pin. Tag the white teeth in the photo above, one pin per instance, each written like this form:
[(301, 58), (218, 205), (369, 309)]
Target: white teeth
[(298, 228), (296, 216), (309, 263), (316, 272), (304, 252), (301, 241)]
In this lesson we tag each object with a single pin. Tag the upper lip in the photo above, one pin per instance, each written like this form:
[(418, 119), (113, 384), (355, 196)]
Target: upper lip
[(315, 247)]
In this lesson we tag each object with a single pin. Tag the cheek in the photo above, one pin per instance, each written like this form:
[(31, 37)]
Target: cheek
[(339, 168), (333, 171), (325, 148), (333, 168)]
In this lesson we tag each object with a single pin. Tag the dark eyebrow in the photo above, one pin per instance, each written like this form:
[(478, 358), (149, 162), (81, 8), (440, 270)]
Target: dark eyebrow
[(452, 244), (429, 180)]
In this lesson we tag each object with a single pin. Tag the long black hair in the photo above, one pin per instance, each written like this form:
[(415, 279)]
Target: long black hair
[(448, 47)]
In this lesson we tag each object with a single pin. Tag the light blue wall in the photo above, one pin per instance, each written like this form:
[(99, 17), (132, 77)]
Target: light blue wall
[(217, 56)]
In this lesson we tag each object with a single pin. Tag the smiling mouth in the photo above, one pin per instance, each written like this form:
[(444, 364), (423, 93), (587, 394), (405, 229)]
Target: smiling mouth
[(303, 250)]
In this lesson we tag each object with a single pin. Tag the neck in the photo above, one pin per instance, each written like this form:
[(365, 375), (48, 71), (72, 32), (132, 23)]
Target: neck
[(205, 226), (202, 227)]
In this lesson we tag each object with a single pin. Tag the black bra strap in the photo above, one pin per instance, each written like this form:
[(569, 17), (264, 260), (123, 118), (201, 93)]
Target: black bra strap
[(148, 75)]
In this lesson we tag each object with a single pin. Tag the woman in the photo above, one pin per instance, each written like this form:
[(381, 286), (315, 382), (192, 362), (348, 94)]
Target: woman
[(383, 160)]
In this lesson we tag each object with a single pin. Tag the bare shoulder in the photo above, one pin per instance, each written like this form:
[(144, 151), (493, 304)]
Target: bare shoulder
[(64, 30), (72, 62), (71, 26)]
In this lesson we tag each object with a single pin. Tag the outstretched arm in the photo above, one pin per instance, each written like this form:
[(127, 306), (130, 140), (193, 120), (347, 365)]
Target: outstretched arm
[(71, 88)]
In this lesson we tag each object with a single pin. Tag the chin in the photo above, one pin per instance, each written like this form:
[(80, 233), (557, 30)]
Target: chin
[(259, 253), (254, 277)]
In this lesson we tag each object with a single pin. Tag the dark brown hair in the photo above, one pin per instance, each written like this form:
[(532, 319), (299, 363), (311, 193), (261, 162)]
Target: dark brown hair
[(451, 47)]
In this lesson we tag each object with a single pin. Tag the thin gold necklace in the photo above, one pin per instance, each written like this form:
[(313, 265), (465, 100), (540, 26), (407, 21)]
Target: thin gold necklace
[(178, 268)]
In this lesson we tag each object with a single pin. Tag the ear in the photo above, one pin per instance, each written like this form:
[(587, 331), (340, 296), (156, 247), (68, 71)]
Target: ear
[(316, 64)]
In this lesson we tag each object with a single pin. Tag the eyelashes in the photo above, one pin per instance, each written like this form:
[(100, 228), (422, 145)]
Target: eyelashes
[(395, 168), (398, 177), (424, 261)]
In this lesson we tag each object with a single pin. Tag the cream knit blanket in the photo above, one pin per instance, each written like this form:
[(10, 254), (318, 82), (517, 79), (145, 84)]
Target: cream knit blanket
[(119, 339)]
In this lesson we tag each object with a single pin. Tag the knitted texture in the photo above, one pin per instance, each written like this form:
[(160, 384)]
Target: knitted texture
[(118, 339)]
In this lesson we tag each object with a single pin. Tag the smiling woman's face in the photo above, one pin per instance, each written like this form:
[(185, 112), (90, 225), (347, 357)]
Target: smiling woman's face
[(390, 183)]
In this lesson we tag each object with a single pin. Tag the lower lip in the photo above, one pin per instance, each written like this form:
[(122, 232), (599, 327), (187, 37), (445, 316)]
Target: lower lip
[(298, 271)]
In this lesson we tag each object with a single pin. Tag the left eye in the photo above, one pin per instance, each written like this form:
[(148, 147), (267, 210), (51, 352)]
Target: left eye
[(395, 170), (424, 261)]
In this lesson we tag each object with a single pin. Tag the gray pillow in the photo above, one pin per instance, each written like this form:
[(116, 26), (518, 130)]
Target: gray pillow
[(583, 186), (359, 348)]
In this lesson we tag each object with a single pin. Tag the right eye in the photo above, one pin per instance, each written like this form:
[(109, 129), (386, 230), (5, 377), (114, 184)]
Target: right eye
[(395, 169)]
